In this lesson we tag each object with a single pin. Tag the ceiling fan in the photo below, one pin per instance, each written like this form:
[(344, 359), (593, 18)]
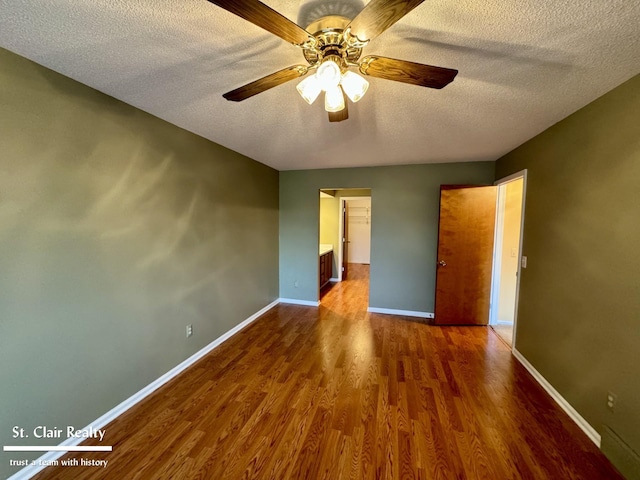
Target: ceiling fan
[(331, 46)]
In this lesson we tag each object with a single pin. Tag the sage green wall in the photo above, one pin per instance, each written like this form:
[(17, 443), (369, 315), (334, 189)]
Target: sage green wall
[(354, 192), (404, 227), (117, 230), (579, 308)]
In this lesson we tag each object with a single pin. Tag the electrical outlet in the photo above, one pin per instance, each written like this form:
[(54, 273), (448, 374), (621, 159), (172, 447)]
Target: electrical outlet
[(295, 284), (611, 400), (189, 330), (523, 261)]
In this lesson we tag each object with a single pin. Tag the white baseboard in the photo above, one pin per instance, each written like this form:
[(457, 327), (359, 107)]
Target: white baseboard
[(40, 463), (295, 301), (406, 313), (334, 279), (559, 399)]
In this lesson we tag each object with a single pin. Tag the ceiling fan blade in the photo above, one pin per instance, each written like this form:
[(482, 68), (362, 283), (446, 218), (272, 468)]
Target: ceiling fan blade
[(377, 16), (407, 72), (265, 17), (342, 114), (265, 83)]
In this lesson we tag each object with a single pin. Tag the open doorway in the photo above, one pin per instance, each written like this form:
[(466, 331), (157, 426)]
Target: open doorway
[(345, 232), (356, 233), (507, 256)]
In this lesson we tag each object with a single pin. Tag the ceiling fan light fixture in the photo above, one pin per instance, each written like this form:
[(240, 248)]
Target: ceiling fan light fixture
[(331, 44), (354, 86), (333, 99), (328, 75), (309, 89)]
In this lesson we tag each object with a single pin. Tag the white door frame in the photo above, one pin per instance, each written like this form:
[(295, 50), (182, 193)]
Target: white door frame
[(341, 229), (497, 250)]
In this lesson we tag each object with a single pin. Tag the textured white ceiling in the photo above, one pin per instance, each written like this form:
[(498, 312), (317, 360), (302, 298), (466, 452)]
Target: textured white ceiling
[(524, 65)]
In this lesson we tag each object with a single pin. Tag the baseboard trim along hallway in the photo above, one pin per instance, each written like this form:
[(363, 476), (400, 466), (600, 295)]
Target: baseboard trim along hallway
[(406, 313), (40, 463), (559, 399), (295, 301)]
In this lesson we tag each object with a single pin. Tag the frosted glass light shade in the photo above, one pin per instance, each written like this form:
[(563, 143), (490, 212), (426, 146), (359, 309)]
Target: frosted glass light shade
[(328, 75), (333, 100), (309, 89), (354, 86)]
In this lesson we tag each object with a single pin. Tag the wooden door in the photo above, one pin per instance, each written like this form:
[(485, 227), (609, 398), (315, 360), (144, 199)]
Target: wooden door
[(345, 240), (465, 254)]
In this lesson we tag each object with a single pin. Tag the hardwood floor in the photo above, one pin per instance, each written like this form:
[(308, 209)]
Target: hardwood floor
[(337, 393)]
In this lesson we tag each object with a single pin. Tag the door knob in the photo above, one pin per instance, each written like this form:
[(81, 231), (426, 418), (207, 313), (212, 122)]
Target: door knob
[(442, 263)]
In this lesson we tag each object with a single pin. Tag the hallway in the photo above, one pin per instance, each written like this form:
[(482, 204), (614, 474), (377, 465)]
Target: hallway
[(351, 294), (504, 331)]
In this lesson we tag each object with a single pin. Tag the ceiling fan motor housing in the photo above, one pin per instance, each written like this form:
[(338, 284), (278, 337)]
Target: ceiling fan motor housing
[(331, 43)]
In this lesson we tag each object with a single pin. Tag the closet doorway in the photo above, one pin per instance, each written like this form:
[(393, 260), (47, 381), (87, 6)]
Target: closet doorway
[(356, 228)]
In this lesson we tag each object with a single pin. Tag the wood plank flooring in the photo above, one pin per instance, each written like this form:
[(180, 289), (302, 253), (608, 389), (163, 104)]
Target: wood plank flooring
[(337, 393)]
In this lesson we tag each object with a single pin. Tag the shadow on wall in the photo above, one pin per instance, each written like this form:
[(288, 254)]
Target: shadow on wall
[(116, 230)]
